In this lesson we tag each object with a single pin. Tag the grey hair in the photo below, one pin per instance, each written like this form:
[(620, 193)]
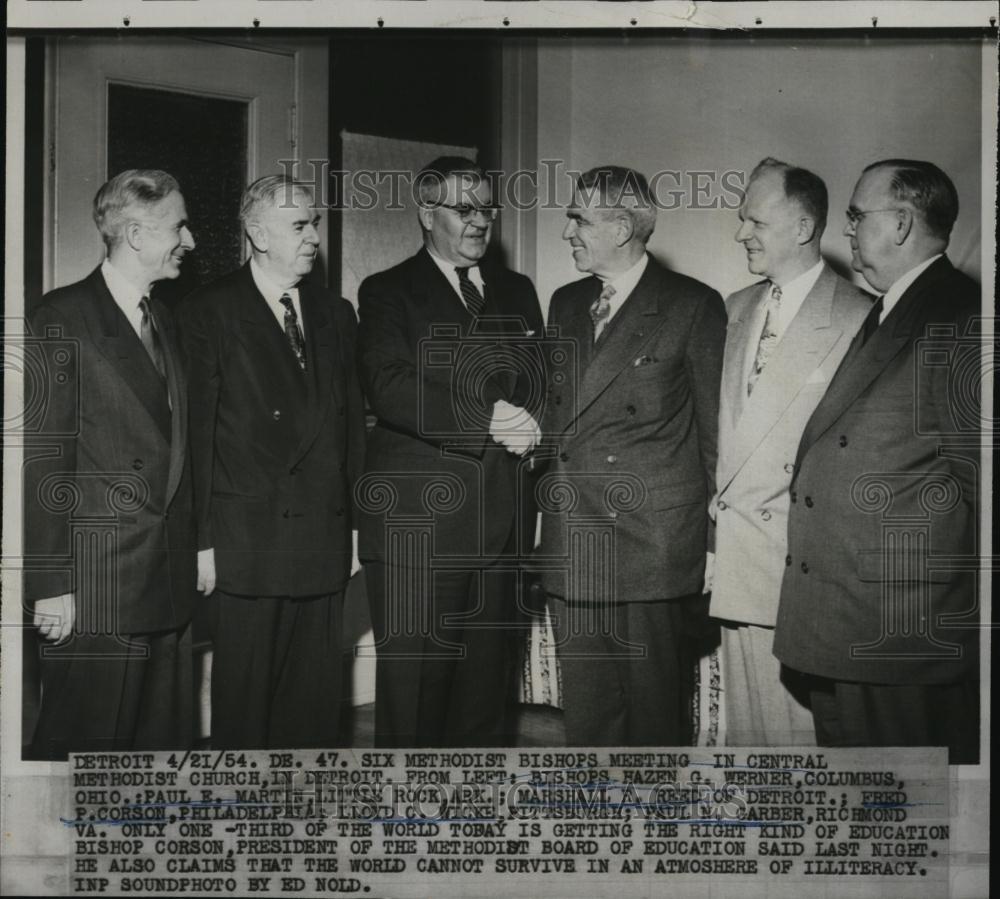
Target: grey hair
[(133, 187), (264, 194)]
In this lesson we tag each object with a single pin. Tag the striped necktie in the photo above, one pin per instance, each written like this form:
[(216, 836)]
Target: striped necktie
[(471, 296)]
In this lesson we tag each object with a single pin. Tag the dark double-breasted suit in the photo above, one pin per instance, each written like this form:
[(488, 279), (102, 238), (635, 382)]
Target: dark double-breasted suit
[(879, 587), (275, 453), (108, 517), (632, 446), (442, 512)]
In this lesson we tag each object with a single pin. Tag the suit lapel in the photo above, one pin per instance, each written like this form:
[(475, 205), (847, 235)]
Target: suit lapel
[(740, 342), (325, 369), (178, 400), (119, 344), (863, 364), (631, 328), (806, 342)]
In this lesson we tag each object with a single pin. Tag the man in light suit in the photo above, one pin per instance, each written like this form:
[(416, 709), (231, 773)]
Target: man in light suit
[(109, 530), (785, 339), (447, 353), (277, 431), (878, 603), (633, 454)]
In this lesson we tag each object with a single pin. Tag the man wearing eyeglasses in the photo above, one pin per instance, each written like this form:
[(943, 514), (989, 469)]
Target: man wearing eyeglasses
[(445, 353), (878, 602), (787, 334)]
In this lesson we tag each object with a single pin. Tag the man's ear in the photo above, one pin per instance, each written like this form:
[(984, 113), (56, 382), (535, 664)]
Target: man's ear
[(806, 230), (257, 236), (626, 228), (904, 225), (425, 215), (133, 234)]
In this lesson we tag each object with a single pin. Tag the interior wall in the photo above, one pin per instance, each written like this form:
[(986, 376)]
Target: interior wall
[(720, 105)]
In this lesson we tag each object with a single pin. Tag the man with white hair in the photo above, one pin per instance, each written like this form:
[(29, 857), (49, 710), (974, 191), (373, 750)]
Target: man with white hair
[(625, 525), (109, 534), (277, 429)]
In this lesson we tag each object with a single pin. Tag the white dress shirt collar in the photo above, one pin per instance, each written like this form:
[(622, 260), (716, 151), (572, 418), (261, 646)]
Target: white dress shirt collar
[(624, 284), (448, 270), (900, 285), (793, 295), (272, 293), (125, 294)]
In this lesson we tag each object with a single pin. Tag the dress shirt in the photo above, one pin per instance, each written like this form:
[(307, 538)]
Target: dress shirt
[(623, 284), (793, 295), (273, 294), (448, 270), (899, 286), (125, 294)]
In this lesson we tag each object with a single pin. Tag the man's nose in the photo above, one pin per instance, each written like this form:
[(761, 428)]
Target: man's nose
[(569, 230), (187, 238)]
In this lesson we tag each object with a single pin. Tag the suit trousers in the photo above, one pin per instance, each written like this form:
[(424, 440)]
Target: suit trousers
[(766, 705), (115, 693), (276, 671), (445, 659), (855, 714), (626, 672)]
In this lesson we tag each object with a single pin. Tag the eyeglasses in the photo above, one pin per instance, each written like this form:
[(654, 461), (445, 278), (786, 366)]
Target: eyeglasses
[(855, 215), (466, 212)]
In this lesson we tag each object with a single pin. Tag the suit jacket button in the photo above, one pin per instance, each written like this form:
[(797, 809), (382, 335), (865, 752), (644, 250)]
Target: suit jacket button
[(630, 409), (558, 400), (284, 514), (788, 561), (138, 464), (563, 457), (766, 515), (789, 468), (843, 440), (809, 502), (794, 497), (276, 414), (805, 568), (294, 469), (722, 506), (340, 513), (612, 459), (166, 514)]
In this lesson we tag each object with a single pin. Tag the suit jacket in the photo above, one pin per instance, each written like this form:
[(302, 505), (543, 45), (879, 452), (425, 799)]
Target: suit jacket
[(107, 499), (633, 441), (759, 434), (880, 586), (275, 450), (431, 375)]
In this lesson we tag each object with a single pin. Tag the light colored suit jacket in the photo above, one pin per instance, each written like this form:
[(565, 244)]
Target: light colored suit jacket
[(759, 434)]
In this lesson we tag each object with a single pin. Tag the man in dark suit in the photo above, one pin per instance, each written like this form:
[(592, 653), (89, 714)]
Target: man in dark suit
[(625, 503), (109, 532), (445, 347), (277, 433), (878, 601), (786, 337)]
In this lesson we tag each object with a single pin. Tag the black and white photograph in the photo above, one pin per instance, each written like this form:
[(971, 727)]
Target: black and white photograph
[(507, 448)]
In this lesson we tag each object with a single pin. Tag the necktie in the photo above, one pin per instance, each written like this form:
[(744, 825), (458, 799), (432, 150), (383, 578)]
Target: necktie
[(600, 309), (871, 323), (471, 296), (150, 338), (768, 338), (293, 332)]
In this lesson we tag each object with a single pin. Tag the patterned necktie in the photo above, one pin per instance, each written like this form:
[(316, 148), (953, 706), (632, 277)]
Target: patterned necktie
[(471, 296), (768, 338), (150, 338), (600, 309), (293, 332)]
